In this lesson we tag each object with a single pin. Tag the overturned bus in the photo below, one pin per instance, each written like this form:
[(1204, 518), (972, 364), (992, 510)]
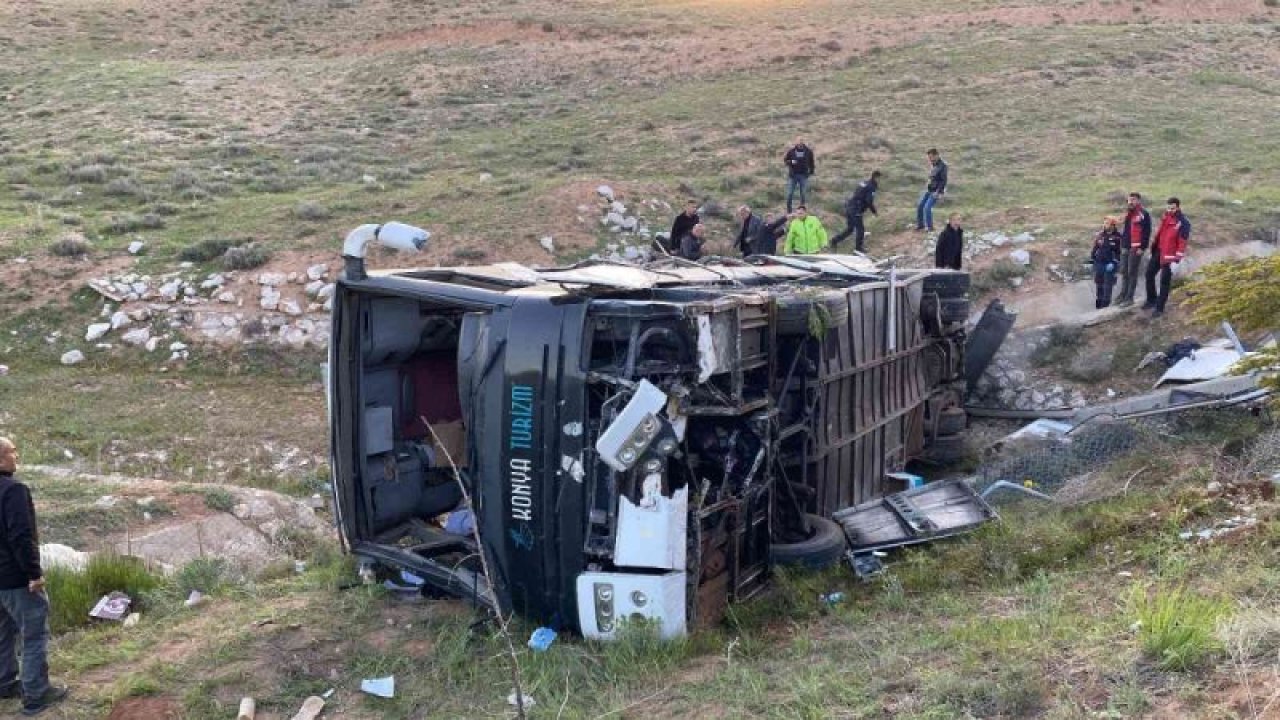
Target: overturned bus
[(636, 440)]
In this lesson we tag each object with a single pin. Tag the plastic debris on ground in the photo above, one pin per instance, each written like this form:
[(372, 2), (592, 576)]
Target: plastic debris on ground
[(114, 606), (460, 522), (195, 598), (526, 697), (311, 708), (866, 565), (133, 619), (831, 598), (411, 583), (1222, 527), (541, 639), (383, 687)]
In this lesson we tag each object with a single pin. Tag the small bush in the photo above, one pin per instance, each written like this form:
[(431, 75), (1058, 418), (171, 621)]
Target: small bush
[(469, 254), (311, 211), (71, 245), (73, 594), (95, 174), (206, 250), (183, 178), (73, 220), (122, 187), (124, 223), (219, 499), (245, 257), (998, 276), (1177, 627), (1063, 341)]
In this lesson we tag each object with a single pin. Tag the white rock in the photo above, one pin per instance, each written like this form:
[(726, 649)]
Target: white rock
[(605, 192), (548, 243), (137, 336), (630, 223), (136, 246), (326, 293), (215, 280), (226, 296), (313, 287), (272, 278), (316, 272), (1023, 237), (96, 331), (72, 357), (1020, 256), (151, 344), (368, 179), (328, 305), (177, 346), (290, 307), (618, 207), (486, 177), (614, 219), (270, 298), (170, 290), (120, 319)]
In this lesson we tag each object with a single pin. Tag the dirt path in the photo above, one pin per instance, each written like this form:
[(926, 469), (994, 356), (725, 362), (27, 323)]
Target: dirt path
[(1074, 301)]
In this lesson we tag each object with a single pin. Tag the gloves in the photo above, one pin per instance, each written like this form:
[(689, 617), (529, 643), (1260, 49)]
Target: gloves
[(1111, 267)]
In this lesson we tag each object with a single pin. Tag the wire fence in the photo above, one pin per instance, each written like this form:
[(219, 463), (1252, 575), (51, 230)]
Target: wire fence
[(1057, 463)]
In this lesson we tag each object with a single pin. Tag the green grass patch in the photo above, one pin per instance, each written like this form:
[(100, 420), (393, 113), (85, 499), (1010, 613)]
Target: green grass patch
[(72, 594), (1178, 627)]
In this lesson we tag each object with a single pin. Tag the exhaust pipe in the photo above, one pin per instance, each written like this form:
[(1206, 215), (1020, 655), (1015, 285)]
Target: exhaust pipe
[(396, 235)]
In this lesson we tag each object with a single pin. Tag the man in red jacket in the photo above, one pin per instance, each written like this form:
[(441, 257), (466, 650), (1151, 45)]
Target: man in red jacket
[(1136, 232), (1168, 248)]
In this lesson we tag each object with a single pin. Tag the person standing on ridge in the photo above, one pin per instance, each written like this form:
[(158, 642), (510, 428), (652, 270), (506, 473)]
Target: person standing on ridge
[(862, 200), (800, 167), (1136, 232), (933, 192), (1168, 248)]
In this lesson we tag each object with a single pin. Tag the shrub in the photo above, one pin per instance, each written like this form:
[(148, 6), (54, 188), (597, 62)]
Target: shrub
[(72, 245), (94, 173), (310, 211), (998, 276), (1062, 343), (122, 187), (469, 254), (72, 220), (72, 594), (219, 499), (206, 250), (183, 178), (1177, 627), (245, 257)]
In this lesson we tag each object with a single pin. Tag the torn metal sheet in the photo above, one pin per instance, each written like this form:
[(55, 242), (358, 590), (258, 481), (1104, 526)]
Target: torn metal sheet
[(1206, 363), (620, 277), (651, 534), (935, 511)]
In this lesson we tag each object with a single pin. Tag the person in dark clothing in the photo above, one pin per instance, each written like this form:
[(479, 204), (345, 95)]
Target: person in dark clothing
[(933, 192), (24, 606), (748, 229), (1168, 248), (950, 248), (681, 226), (691, 243), (1136, 231), (800, 167), (1106, 256), (862, 200), (772, 229)]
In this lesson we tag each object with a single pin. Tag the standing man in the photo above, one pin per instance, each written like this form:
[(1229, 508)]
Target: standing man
[(1137, 236), (1107, 253), (950, 248), (765, 241), (24, 606), (806, 236), (936, 188), (1168, 248), (691, 244), (681, 226), (800, 166), (862, 200), (747, 230)]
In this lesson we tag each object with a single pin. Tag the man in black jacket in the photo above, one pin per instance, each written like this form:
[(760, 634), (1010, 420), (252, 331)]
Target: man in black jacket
[(950, 248), (681, 226), (24, 606), (690, 247), (862, 200), (800, 167), (748, 229), (933, 192), (771, 231)]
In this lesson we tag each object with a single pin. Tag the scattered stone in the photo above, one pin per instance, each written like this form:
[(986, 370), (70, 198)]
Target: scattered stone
[(618, 207), (1020, 256), (215, 280), (325, 293), (120, 319), (1213, 488), (95, 331), (316, 272), (169, 291), (72, 357), (605, 192), (177, 346), (226, 296), (290, 307), (272, 279), (270, 298), (137, 336), (136, 246), (548, 243)]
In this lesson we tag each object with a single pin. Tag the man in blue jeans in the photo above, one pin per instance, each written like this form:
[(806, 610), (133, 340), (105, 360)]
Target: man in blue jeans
[(24, 606), (800, 166), (936, 189)]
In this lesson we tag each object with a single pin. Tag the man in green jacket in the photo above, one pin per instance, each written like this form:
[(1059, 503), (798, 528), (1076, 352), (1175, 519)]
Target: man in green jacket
[(805, 235)]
